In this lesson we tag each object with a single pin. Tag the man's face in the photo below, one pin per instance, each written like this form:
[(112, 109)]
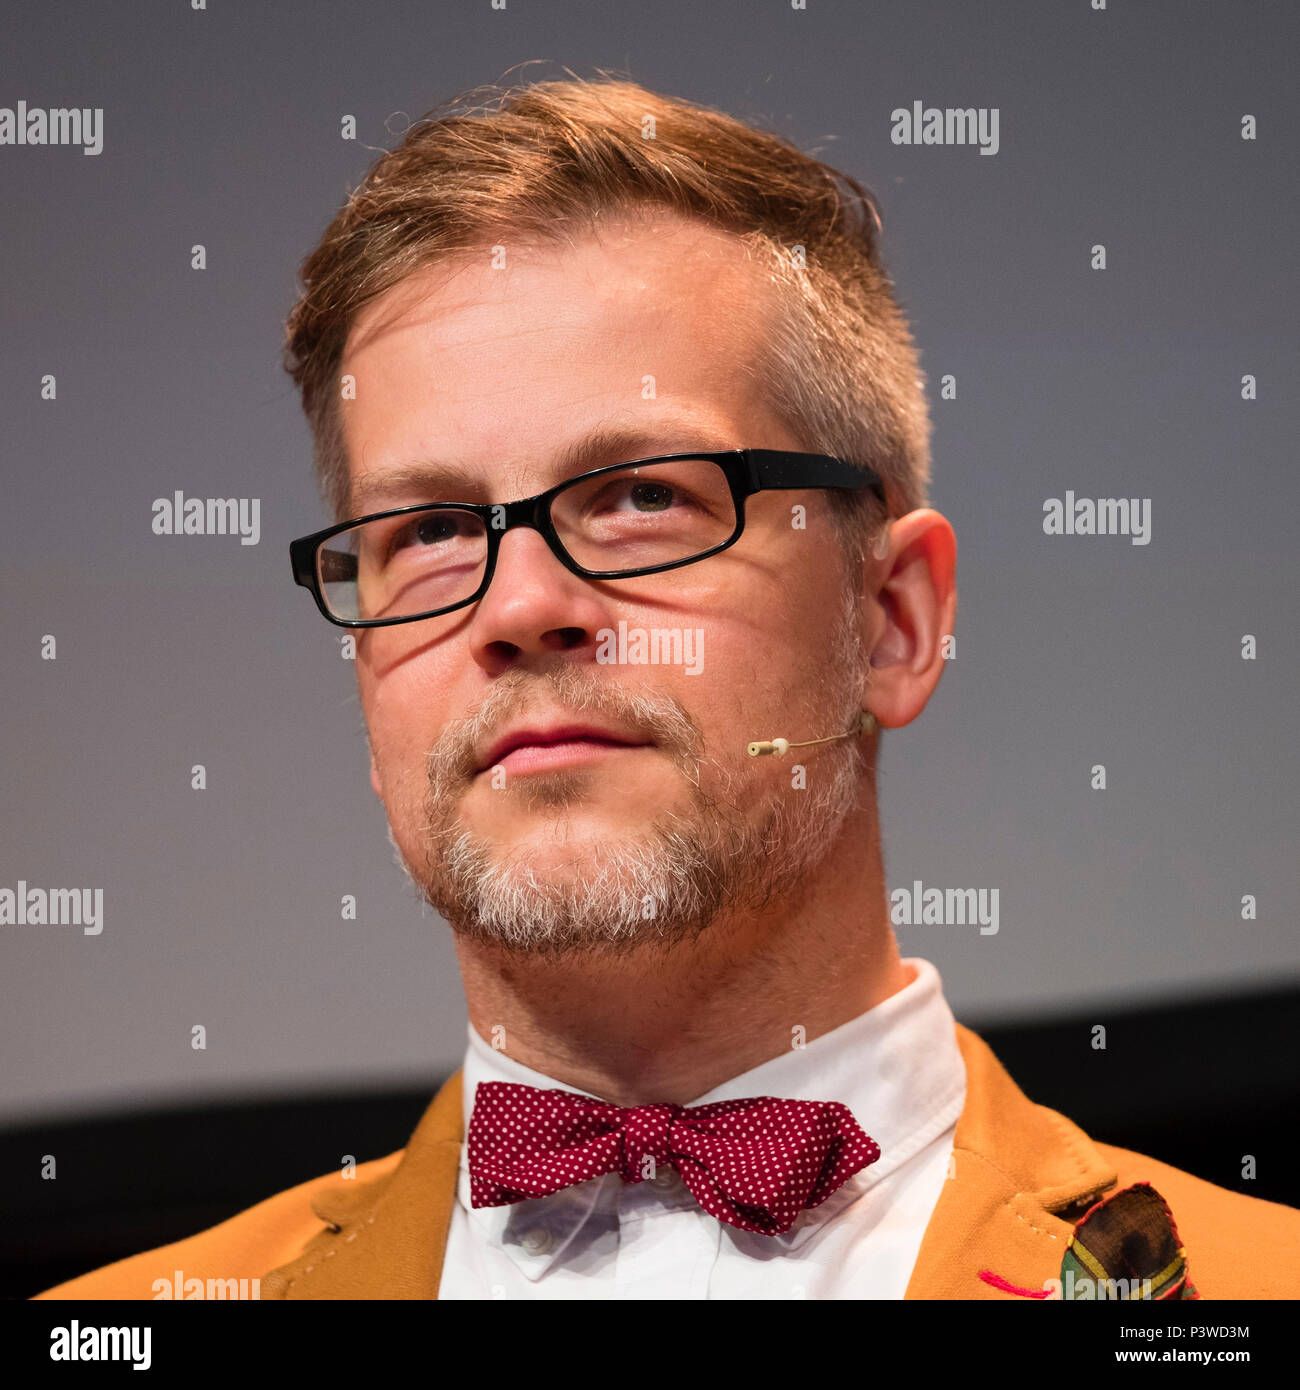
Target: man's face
[(647, 817)]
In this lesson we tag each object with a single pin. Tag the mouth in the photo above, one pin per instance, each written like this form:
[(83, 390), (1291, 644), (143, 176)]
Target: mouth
[(561, 745)]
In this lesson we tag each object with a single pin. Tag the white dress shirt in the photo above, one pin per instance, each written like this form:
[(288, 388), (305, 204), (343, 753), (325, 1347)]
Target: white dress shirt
[(898, 1069)]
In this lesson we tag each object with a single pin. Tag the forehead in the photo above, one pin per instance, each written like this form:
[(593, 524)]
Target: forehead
[(501, 361)]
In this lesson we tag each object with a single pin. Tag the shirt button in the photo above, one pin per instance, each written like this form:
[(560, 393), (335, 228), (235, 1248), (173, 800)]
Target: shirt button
[(537, 1241)]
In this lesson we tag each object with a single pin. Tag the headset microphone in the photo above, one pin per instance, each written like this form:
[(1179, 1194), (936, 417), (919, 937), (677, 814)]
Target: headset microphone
[(779, 746)]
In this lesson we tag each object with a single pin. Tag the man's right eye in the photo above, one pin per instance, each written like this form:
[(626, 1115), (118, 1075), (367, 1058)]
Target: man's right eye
[(430, 530)]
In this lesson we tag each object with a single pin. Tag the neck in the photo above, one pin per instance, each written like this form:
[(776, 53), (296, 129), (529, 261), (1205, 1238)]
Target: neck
[(665, 1026)]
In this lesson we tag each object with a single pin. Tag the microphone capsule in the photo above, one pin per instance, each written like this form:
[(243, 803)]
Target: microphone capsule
[(765, 746)]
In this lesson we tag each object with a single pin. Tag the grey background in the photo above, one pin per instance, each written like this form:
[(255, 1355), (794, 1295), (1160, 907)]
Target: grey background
[(222, 128)]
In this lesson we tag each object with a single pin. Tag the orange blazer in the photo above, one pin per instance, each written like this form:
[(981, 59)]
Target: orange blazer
[(1020, 1178)]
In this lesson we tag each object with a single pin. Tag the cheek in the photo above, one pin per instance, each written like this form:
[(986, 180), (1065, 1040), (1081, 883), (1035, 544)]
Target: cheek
[(739, 684), (402, 719), (765, 635)]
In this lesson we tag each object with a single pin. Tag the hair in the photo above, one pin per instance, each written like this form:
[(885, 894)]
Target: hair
[(539, 161)]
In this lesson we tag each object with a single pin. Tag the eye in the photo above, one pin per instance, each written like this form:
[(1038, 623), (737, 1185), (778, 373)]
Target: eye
[(651, 496), (644, 495), (432, 529)]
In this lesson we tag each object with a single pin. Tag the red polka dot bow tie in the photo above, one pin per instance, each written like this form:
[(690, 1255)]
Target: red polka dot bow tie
[(754, 1163)]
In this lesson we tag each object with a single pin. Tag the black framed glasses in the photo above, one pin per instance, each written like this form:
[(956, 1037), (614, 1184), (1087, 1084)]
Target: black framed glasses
[(616, 522)]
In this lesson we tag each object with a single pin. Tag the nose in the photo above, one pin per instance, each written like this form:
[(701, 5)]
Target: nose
[(534, 606)]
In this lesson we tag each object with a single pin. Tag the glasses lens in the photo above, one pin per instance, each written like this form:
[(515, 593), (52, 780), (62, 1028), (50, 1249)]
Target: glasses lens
[(401, 566), (645, 514)]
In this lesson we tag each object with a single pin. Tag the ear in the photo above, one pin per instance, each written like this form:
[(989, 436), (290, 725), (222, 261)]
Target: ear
[(911, 607)]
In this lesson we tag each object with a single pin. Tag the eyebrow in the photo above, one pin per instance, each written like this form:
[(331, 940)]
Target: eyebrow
[(607, 444)]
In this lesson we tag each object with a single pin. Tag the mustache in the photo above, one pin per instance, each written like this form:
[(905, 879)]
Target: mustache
[(655, 717)]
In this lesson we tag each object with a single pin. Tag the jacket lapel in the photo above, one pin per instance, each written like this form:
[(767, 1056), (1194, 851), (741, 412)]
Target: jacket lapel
[(385, 1237), (1021, 1176)]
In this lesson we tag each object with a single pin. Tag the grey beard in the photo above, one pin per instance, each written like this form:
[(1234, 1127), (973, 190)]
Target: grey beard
[(662, 886)]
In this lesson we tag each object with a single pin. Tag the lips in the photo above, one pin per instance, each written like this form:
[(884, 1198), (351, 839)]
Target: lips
[(544, 736)]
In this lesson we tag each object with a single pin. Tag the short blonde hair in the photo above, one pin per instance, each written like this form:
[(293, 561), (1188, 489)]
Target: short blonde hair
[(537, 161)]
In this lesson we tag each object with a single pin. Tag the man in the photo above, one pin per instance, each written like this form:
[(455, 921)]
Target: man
[(625, 731)]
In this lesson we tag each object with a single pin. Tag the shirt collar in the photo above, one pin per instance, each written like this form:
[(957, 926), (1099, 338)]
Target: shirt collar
[(897, 1067)]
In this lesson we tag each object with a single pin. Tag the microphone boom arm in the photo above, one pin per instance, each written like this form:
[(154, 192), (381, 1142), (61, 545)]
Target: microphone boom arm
[(762, 747)]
